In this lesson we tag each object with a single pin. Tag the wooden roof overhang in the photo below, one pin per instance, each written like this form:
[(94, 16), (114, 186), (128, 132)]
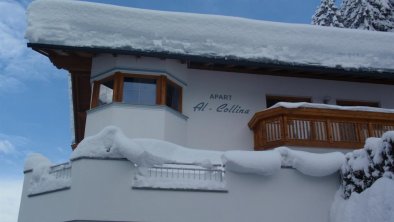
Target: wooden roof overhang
[(78, 61)]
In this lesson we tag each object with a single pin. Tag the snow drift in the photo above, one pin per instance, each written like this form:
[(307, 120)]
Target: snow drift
[(111, 142), (376, 203), (43, 180), (367, 191)]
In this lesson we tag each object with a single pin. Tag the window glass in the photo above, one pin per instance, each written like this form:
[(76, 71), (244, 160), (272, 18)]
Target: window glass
[(272, 100), (139, 91), (173, 96), (106, 92), (357, 103)]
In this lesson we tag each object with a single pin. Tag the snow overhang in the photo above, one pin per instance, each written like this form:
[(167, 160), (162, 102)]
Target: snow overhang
[(213, 42)]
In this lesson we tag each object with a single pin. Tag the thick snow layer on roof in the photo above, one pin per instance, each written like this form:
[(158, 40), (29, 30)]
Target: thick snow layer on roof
[(373, 204), (327, 106), (111, 142), (83, 24)]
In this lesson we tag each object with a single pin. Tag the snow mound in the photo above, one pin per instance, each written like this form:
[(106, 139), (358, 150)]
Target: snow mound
[(111, 142), (44, 178), (312, 164), (85, 24), (373, 204), (36, 161), (262, 163)]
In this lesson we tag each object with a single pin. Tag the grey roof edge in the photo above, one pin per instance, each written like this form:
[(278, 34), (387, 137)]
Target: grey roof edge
[(362, 72)]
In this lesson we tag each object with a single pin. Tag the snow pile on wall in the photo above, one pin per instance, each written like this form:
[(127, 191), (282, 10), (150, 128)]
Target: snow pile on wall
[(312, 164), (43, 180), (327, 106), (269, 162), (84, 24), (376, 203), (111, 142), (365, 166), (262, 163)]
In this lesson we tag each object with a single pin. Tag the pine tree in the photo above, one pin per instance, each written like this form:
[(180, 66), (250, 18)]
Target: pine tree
[(367, 14), (327, 14), (392, 15)]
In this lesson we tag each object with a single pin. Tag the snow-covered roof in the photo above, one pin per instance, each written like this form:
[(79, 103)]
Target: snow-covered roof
[(84, 24)]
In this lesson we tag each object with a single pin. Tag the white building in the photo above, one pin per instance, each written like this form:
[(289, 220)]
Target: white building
[(205, 82)]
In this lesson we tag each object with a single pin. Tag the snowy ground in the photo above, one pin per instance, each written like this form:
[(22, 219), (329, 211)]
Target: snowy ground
[(375, 204)]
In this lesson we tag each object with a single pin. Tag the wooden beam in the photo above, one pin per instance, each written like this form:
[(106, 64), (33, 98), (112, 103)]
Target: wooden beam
[(81, 90), (71, 63)]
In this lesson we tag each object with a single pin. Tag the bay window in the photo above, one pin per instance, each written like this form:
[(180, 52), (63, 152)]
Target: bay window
[(137, 89)]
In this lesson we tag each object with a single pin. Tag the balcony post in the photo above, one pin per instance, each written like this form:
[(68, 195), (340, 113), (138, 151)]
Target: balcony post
[(313, 130), (370, 130), (329, 131), (284, 129)]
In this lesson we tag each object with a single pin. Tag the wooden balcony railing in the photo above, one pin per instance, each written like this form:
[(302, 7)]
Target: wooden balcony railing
[(316, 127)]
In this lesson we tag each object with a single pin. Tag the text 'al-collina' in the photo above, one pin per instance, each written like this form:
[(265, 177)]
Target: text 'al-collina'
[(226, 107)]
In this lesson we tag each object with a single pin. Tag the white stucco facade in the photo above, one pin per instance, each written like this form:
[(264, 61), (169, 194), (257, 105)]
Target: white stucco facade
[(204, 124), (101, 190)]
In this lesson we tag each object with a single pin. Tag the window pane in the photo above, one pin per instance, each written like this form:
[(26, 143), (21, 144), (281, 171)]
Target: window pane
[(272, 100), (139, 91), (106, 92), (173, 96), (357, 103)]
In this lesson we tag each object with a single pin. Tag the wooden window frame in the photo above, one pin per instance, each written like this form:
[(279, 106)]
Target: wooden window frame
[(119, 77), (341, 102), (179, 88), (96, 90)]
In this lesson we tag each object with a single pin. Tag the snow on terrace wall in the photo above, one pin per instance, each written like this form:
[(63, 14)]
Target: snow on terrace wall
[(95, 196), (221, 130), (258, 182)]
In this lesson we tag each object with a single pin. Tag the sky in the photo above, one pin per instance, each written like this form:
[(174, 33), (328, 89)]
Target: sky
[(35, 98)]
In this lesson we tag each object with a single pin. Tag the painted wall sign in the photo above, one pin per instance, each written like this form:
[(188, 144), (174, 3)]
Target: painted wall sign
[(226, 107)]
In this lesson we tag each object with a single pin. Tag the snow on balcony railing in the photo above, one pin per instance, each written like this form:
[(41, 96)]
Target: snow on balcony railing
[(181, 177), (61, 170), (56, 178)]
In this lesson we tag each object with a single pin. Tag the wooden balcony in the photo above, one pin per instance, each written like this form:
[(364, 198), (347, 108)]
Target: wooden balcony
[(317, 127)]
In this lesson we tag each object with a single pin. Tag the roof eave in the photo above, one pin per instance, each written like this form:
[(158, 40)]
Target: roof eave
[(361, 73)]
